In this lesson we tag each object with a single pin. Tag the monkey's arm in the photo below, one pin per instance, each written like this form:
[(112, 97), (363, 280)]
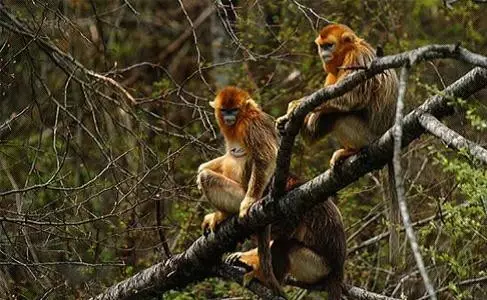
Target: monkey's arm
[(259, 178), (261, 143)]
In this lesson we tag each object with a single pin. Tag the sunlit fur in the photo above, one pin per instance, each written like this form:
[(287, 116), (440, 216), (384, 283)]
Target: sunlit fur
[(376, 97), (361, 115), (232, 183)]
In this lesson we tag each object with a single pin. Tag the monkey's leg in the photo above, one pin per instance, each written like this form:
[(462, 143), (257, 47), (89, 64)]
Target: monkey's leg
[(352, 132), (222, 192), (213, 165), (288, 257)]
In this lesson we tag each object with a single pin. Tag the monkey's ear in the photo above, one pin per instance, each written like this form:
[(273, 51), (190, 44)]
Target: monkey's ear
[(348, 37), (212, 104)]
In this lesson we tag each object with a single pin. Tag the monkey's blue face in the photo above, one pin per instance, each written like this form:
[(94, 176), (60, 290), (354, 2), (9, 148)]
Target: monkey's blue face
[(229, 115), (325, 51)]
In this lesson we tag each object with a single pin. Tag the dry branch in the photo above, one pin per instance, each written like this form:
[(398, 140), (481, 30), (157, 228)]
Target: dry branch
[(480, 280), (451, 138), (354, 292), (195, 263), (175, 45), (399, 180)]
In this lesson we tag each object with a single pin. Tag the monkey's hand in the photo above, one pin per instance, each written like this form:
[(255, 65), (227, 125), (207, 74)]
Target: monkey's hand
[(340, 155), (245, 205), (210, 221), (281, 123)]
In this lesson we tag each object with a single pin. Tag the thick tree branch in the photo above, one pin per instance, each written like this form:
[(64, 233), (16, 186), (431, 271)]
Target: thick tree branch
[(451, 138), (357, 293), (196, 261)]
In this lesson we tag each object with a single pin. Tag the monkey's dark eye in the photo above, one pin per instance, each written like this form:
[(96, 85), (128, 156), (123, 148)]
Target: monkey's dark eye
[(229, 111), (327, 45)]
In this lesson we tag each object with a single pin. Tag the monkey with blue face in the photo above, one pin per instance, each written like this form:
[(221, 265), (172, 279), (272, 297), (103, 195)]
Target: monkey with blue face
[(234, 181), (313, 252)]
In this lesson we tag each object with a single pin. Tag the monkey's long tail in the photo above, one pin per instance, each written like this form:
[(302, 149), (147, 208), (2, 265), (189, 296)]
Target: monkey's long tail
[(334, 288), (265, 260)]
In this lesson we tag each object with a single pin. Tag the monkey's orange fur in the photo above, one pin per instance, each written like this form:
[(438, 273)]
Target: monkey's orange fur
[(361, 115), (251, 150), (234, 181)]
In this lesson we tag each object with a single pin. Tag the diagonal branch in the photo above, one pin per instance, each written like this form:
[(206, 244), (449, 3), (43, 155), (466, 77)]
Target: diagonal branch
[(451, 138), (195, 263)]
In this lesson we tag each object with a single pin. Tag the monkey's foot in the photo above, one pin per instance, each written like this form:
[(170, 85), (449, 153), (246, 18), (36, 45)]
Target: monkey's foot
[(248, 259), (340, 155), (245, 205), (210, 221)]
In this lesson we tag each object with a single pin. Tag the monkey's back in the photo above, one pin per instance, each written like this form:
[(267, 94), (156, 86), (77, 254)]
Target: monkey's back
[(325, 235), (378, 94)]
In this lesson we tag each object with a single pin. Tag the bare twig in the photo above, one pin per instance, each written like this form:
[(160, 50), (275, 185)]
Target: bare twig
[(383, 235), (187, 33), (471, 281), (400, 183), (14, 25), (131, 7)]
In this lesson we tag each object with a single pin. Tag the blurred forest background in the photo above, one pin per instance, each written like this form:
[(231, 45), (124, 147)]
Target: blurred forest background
[(99, 146)]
